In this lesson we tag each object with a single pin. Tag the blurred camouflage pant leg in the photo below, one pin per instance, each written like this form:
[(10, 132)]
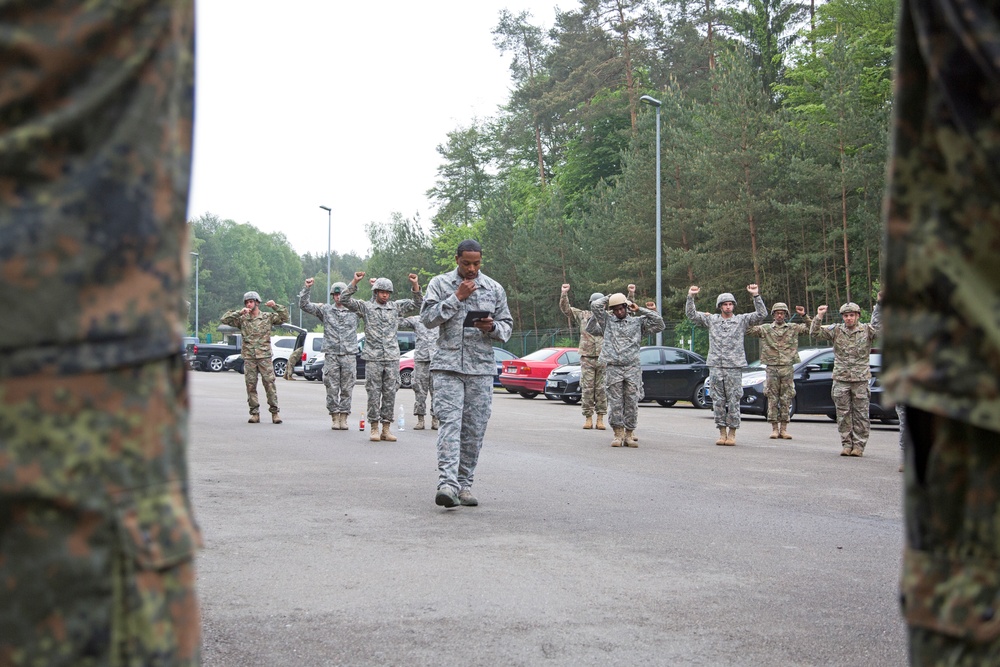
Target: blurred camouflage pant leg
[(422, 387), (98, 551), (463, 404), (293, 359), (615, 389), (265, 369), (601, 389), (852, 401), (340, 372), (589, 370), (727, 390), (951, 583), (779, 390), (381, 383)]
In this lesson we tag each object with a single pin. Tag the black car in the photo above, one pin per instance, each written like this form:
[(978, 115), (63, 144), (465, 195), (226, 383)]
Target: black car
[(669, 374), (313, 367), (813, 378)]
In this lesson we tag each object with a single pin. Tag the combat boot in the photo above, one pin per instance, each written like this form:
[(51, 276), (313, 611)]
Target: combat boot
[(388, 437), (588, 423), (857, 451), (783, 431), (774, 431), (731, 438), (275, 418), (722, 436), (254, 419), (375, 437), (846, 451), (434, 423), (335, 418), (420, 423), (630, 440), (600, 422), (343, 421), (619, 436)]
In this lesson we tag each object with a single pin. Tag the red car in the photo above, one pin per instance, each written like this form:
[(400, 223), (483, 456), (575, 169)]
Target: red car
[(526, 376)]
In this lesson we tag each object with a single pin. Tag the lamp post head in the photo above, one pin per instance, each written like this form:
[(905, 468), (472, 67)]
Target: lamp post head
[(650, 100), (325, 208)]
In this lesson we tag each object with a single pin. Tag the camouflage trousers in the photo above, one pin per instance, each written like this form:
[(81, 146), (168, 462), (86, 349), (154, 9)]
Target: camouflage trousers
[(340, 372), (463, 404), (97, 539), (726, 390), (852, 401), (265, 369), (624, 390), (422, 387), (381, 383), (950, 582), (779, 390), (593, 386), (293, 359)]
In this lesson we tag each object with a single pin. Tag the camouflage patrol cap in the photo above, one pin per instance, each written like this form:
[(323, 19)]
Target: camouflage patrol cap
[(595, 296), (337, 288), (617, 299), (383, 284), (251, 295), (850, 307), (724, 297), (779, 306)]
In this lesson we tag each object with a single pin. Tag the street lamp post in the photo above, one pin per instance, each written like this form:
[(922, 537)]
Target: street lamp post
[(659, 245), (197, 270), (329, 237)]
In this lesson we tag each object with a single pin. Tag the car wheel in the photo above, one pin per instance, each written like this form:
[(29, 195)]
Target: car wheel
[(528, 394), (698, 397), (570, 400), (215, 364), (406, 378), (665, 403), (279, 367), (510, 391)]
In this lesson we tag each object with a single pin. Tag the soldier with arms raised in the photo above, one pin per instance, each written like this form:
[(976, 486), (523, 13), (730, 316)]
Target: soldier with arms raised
[(779, 352), (255, 325)]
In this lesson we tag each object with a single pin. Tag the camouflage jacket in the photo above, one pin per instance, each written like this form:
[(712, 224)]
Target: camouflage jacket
[(340, 325), (381, 322), (622, 338), (780, 342), (851, 347), (590, 345), (426, 338), (725, 334), (461, 349), (94, 175), (256, 330)]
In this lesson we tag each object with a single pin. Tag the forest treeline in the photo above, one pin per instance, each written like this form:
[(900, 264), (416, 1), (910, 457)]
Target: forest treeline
[(773, 139)]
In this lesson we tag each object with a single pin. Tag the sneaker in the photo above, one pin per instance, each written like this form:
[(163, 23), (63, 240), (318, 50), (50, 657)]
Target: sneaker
[(446, 497), (466, 498)]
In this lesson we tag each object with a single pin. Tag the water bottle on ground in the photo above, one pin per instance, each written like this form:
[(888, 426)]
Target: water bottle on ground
[(401, 422), (361, 426)]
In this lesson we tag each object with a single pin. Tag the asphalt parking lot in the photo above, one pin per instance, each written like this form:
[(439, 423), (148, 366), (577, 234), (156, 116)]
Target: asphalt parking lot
[(322, 548)]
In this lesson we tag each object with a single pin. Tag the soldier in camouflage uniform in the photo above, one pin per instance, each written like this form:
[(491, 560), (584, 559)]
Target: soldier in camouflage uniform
[(422, 355), (340, 347), (593, 384), (779, 352), (381, 351), (620, 353), (727, 355), (941, 344), (97, 537), (852, 344), (463, 367), (255, 325)]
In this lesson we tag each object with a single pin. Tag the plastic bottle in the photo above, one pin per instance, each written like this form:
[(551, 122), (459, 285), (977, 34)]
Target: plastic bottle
[(401, 422), (361, 426)]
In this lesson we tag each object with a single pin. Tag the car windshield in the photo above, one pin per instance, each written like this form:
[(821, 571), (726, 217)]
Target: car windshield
[(539, 355)]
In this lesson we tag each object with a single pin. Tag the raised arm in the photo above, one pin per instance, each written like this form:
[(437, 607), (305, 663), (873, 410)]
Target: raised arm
[(701, 319)]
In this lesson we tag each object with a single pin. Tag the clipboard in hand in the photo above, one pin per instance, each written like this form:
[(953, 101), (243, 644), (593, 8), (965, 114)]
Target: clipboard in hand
[(473, 315)]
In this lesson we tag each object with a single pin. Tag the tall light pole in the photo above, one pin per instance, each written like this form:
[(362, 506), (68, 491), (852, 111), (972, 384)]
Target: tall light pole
[(329, 237), (197, 270), (646, 99)]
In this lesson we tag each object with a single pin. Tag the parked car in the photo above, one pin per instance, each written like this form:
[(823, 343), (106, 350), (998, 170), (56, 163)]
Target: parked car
[(813, 377), (500, 355), (669, 374), (407, 341), (313, 369), (313, 350), (527, 376)]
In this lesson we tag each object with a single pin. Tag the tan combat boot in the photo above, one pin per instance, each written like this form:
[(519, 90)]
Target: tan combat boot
[(434, 423), (857, 451), (731, 438), (420, 423), (375, 437), (846, 450), (254, 419), (388, 437), (722, 436), (774, 431), (600, 422), (343, 421), (335, 418), (275, 418), (619, 436), (588, 423), (783, 431), (630, 440)]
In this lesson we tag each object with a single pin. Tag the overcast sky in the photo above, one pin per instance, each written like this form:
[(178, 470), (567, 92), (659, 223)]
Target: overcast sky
[(341, 104)]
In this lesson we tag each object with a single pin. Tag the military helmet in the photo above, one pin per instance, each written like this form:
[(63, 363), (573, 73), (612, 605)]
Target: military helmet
[(251, 295), (383, 284), (724, 297), (617, 299), (779, 306), (337, 288), (595, 296), (850, 307)]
